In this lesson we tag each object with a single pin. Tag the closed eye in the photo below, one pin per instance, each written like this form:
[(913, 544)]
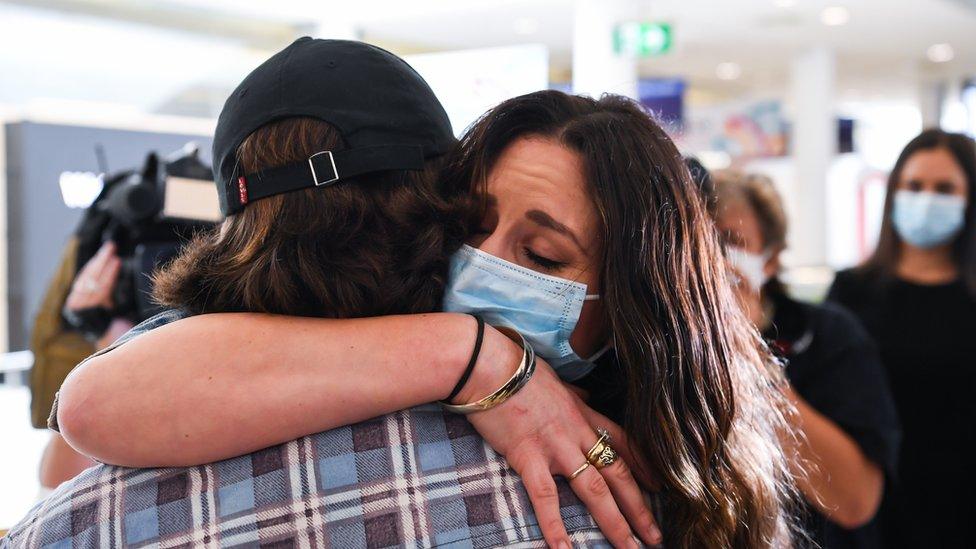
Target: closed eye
[(544, 263)]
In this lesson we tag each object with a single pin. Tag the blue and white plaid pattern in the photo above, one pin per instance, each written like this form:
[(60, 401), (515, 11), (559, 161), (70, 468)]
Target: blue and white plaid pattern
[(416, 478)]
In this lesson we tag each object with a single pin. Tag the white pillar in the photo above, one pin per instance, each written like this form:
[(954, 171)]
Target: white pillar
[(931, 93), (814, 145), (596, 68)]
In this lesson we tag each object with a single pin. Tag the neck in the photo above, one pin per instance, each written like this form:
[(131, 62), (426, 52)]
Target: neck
[(926, 265)]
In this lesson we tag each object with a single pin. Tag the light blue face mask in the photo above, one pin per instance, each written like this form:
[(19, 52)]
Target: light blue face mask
[(544, 309), (927, 220)]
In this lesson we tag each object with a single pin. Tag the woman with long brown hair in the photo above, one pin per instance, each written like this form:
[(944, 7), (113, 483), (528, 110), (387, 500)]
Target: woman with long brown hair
[(916, 295), (585, 204)]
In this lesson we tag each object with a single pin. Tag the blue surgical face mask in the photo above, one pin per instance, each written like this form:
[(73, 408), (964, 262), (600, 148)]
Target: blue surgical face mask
[(544, 309), (926, 219)]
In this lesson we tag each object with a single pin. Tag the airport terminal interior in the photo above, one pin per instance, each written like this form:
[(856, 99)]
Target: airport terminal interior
[(819, 97)]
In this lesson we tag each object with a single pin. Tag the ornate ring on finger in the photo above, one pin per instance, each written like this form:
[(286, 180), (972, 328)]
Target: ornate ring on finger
[(597, 447), (606, 457)]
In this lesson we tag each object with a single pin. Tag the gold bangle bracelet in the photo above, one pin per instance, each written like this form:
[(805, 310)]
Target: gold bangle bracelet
[(518, 380)]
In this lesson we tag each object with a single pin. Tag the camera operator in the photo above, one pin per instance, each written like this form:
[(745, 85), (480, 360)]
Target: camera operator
[(138, 221), (92, 288)]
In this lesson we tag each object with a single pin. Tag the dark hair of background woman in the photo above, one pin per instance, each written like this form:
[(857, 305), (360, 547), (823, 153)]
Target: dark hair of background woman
[(702, 405), (378, 245), (963, 150)]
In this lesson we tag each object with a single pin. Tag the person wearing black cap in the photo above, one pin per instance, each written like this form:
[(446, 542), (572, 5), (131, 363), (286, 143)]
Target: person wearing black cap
[(396, 127), (333, 211)]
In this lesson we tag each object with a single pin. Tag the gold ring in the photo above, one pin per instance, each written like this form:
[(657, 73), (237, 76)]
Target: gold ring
[(577, 472), (602, 454), (605, 458), (598, 445)]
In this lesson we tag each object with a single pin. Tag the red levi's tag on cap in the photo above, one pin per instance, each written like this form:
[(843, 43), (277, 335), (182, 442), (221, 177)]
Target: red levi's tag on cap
[(242, 189)]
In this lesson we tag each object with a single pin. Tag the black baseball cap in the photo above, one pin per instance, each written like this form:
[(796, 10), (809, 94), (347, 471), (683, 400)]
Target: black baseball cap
[(387, 115)]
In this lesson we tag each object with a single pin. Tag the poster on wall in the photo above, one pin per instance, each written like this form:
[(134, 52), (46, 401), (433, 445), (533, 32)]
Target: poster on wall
[(469, 82), (754, 129)]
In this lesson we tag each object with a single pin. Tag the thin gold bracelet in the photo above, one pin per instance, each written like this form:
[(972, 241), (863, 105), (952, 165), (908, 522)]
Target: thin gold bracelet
[(518, 380)]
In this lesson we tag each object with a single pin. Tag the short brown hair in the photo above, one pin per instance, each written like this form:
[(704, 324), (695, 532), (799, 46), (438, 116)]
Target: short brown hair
[(760, 194), (377, 245)]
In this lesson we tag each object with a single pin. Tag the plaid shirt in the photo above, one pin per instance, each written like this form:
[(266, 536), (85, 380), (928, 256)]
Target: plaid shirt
[(416, 478)]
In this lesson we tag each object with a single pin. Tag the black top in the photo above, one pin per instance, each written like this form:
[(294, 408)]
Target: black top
[(927, 338), (833, 365)]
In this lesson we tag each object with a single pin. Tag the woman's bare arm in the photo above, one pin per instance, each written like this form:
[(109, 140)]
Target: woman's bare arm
[(215, 386), (840, 480)]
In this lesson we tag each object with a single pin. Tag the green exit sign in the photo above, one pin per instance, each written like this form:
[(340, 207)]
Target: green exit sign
[(642, 39)]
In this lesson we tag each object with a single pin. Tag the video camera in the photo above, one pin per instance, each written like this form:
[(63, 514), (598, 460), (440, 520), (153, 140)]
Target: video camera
[(148, 214)]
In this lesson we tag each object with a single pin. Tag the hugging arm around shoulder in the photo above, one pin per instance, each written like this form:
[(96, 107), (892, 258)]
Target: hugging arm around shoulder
[(209, 387)]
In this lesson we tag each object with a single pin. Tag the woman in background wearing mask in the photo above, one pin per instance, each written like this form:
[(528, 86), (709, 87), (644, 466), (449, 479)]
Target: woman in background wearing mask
[(917, 296), (846, 414)]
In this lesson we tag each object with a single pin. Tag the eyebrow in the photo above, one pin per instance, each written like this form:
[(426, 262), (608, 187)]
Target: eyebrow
[(543, 219)]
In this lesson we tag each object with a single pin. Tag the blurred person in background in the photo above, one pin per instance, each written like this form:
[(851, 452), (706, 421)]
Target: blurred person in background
[(917, 296), (99, 290), (849, 432), (58, 347)]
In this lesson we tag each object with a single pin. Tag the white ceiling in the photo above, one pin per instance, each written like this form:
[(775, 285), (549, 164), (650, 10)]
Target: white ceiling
[(151, 53), (884, 40)]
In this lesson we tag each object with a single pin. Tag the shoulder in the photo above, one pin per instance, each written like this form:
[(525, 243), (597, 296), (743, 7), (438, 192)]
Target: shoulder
[(166, 317), (835, 319), (851, 287), (850, 278), (830, 344), (843, 349), (161, 319)]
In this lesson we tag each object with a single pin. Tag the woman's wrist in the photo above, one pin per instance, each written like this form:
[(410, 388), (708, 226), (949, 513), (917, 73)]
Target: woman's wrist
[(498, 359)]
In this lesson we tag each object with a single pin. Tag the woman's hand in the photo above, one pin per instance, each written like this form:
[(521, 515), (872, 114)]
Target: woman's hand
[(95, 282), (618, 439), (116, 329), (544, 431)]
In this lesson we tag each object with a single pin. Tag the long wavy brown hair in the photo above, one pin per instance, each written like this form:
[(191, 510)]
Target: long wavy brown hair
[(703, 405)]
